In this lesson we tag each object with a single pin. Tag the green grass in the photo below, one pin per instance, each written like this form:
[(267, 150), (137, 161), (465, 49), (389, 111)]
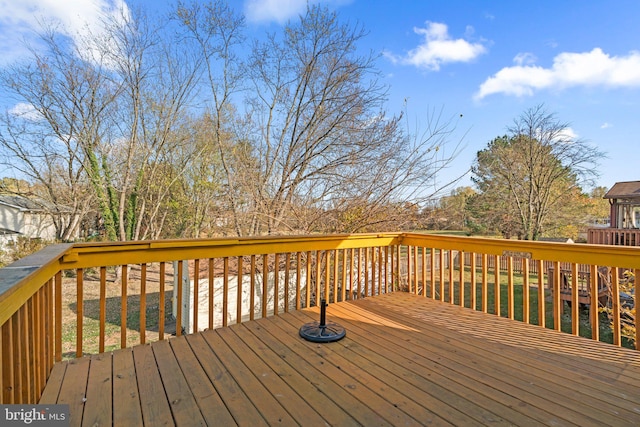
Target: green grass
[(91, 323)]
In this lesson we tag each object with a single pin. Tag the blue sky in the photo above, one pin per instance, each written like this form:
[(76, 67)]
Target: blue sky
[(486, 60)]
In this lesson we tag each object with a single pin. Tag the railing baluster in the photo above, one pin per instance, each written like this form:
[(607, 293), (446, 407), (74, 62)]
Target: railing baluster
[(557, 307), (36, 344), (252, 297), (178, 292), (461, 280), (615, 306), (387, 276), (432, 273), (123, 306), (318, 279), (50, 341), (335, 275), (359, 288), (3, 368), (485, 286), (525, 291), (8, 363), (265, 282), (79, 311), (143, 303), (195, 290), (161, 313), (379, 263), (343, 289), (366, 271), (211, 282), (351, 272), (496, 285), (441, 275), (541, 295), (327, 277), (575, 304), (636, 275), (299, 280), (308, 273), (225, 290), (29, 346), (276, 282), (510, 289), (369, 270), (287, 264), (18, 362), (424, 270), (473, 288), (409, 269), (239, 281), (451, 281)]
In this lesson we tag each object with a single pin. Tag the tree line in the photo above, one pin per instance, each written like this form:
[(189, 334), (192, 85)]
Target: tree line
[(181, 125)]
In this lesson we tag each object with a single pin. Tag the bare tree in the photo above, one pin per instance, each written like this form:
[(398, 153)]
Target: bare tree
[(214, 31), (62, 100), (532, 173), (148, 128), (320, 133), (101, 121)]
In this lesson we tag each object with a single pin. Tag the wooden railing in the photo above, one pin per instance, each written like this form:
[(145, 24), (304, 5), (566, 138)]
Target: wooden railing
[(71, 300), (481, 286), (614, 236)]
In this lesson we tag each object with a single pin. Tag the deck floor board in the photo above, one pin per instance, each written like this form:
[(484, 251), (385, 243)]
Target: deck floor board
[(406, 360)]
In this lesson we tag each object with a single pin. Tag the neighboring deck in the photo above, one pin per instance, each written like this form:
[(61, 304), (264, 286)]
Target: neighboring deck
[(406, 360)]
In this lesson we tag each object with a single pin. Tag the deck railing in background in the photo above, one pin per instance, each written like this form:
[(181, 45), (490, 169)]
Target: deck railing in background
[(613, 236), (71, 300)]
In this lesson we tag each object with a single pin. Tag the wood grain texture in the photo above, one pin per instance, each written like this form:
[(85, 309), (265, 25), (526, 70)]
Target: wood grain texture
[(406, 360)]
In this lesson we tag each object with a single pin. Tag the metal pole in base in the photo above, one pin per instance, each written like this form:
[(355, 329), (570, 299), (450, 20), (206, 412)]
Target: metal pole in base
[(322, 331)]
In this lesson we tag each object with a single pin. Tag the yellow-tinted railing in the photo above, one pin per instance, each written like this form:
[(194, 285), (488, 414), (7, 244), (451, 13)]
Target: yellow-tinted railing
[(71, 300), (535, 282)]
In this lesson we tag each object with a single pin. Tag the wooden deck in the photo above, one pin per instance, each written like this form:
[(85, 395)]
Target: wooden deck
[(406, 360)]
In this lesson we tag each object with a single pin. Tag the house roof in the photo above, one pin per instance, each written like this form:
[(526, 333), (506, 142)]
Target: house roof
[(27, 204), (626, 190), (6, 231)]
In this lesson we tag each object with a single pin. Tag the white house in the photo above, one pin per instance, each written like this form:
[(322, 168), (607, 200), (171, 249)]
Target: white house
[(22, 216)]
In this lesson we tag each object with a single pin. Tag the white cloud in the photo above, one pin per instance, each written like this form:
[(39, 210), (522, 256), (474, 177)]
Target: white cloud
[(606, 125), (19, 20), (280, 11), (594, 68), (25, 111), (273, 10), (567, 134), (439, 48), (525, 58)]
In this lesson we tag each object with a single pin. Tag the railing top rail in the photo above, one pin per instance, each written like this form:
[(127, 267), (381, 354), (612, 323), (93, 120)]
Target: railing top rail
[(609, 255), (24, 277), (20, 280), (85, 255)]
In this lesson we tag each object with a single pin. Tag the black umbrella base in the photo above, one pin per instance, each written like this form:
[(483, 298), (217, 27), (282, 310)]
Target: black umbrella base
[(317, 332)]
